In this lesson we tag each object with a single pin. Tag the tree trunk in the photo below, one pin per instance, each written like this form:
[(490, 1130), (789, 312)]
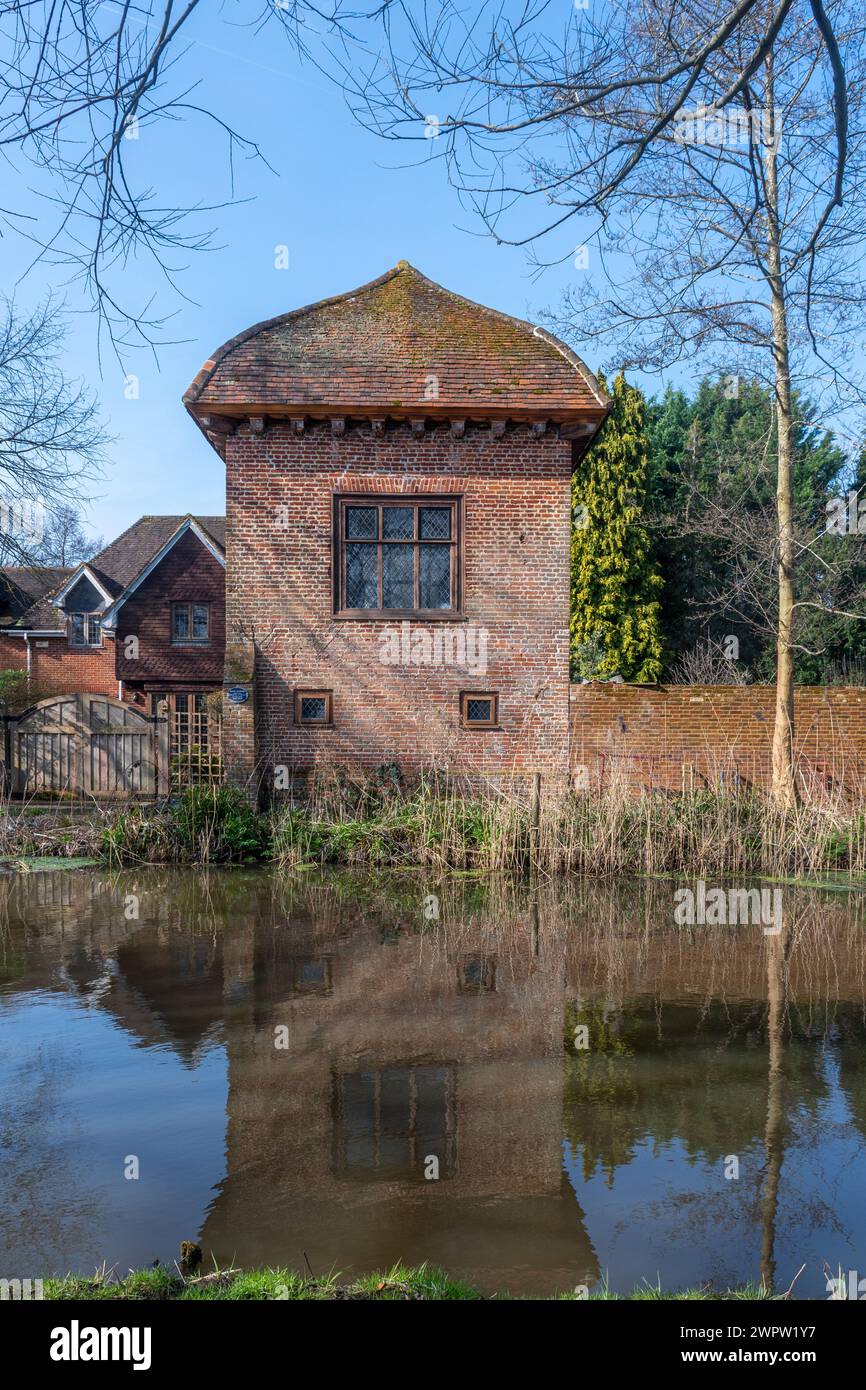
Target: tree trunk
[(784, 784)]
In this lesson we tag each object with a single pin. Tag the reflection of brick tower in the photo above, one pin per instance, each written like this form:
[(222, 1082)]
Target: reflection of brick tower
[(402, 1048)]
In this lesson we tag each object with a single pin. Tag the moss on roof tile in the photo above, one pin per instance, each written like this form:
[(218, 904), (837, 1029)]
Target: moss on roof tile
[(377, 345)]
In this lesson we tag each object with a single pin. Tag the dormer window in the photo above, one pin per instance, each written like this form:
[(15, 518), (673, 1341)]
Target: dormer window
[(190, 622), (85, 630)]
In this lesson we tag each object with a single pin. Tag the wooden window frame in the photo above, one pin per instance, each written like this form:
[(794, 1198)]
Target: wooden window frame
[(342, 500), (412, 1169), (481, 724), (488, 974), (300, 986), (190, 641), (327, 696), (87, 644)]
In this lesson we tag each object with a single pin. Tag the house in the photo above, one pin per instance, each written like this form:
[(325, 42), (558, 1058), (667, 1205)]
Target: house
[(143, 621), (398, 468)]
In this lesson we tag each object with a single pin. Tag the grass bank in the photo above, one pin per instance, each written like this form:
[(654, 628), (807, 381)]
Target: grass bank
[(376, 823), (400, 1284)]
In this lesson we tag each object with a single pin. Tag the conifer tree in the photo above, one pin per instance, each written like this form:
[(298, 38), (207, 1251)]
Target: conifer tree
[(615, 584)]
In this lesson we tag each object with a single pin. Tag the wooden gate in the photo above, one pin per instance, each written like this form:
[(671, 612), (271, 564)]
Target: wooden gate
[(86, 745)]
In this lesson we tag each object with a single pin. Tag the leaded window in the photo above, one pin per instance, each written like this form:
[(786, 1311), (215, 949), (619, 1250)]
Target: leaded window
[(397, 556)]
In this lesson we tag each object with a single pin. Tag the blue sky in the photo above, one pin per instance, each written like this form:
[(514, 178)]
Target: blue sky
[(347, 204)]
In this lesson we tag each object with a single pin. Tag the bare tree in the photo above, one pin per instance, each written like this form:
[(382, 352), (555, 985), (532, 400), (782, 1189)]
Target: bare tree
[(714, 153), (64, 541), (79, 81), (708, 662), (51, 440)]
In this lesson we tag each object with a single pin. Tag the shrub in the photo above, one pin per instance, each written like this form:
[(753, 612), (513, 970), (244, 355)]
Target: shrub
[(202, 825)]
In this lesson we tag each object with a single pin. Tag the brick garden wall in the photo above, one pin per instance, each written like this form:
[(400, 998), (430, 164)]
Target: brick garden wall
[(279, 588), (661, 735)]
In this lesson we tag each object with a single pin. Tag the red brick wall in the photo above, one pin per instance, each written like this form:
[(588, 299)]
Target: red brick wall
[(516, 565), (59, 669), (188, 574), (655, 735)]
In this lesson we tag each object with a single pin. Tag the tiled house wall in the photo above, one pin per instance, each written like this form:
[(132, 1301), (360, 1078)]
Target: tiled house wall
[(516, 525), (188, 574)]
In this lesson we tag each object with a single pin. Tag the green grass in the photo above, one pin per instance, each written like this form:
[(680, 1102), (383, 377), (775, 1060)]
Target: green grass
[(397, 1285), (400, 1284), (654, 1293), (41, 863)]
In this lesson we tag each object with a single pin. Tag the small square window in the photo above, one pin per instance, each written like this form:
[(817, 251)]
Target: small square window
[(314, 707), (398, 523), (476, 974), (479, 709), (362, 523), (435, 523), (312, 975)]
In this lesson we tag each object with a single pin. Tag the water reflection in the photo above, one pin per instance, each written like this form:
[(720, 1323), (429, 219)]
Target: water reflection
[(327, 1071)]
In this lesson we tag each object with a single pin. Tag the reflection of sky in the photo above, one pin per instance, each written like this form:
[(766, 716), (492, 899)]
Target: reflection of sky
[(91, 1096), (671, 1216)]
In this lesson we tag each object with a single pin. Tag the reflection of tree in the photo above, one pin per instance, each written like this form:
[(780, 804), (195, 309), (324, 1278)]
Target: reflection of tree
[(852, 1073), (852, 1079), (774, 1133), (13, 962), (679, 1072)]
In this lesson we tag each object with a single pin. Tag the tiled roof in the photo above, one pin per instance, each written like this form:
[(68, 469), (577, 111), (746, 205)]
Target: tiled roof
[(119, 563), (23, 585), (400, 345), (124, 559)]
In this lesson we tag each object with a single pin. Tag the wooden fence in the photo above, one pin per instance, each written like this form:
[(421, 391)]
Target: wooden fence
[(80, 746)]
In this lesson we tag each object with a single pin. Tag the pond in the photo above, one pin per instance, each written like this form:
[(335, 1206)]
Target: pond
[(535, 1088)]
